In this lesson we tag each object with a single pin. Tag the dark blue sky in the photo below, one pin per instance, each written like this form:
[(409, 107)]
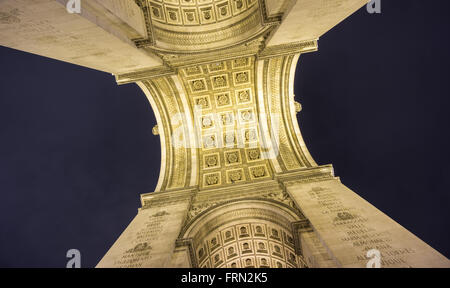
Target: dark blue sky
[(76, 150)]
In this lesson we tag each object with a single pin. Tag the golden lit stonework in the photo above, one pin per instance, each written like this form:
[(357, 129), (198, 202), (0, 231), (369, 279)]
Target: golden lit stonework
[(237, 185)]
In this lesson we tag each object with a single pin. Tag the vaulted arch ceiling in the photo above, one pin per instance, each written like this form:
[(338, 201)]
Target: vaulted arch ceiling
[(183, 26)]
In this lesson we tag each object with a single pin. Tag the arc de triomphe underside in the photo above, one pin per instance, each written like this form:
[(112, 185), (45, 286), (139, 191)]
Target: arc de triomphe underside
[(237, 186)]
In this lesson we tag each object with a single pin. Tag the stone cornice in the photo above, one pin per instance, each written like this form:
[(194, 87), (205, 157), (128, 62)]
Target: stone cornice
[(303, 225), (319, 173), (167, 197), (144, 74), (289, 49), (247, 50), (188, 244)]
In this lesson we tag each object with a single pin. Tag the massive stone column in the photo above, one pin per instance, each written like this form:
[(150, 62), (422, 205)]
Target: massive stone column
[(349, 227), (237, 186), (149, 240)]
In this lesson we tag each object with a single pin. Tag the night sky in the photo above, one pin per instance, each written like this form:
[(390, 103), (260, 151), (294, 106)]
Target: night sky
[(76, 150)]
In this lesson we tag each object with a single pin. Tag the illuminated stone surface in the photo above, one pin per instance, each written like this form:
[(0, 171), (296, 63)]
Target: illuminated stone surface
[(237, 186)]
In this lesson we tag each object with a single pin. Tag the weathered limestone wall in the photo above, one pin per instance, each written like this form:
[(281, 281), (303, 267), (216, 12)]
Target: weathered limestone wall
[(149, 240), (96, 38), (314, 253), (181, 258), (348, 226)]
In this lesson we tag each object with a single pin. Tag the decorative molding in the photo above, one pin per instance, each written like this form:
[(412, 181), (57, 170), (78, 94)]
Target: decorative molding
[(161, 199), (299, 227), (241, 27), (155, 130), (144, 75), (149, 41), (289, 49), (198, 209), (272, 19), (314, 174), (288, 151), (181, 39), (193, 13), (188, 244), (298, 107)]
